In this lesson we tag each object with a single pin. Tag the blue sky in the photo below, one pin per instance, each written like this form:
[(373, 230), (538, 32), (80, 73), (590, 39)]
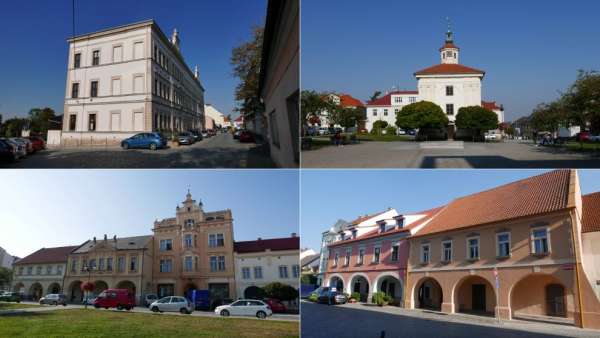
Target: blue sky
[(529, 49), (46, 208), (328, 195), (33, 60)]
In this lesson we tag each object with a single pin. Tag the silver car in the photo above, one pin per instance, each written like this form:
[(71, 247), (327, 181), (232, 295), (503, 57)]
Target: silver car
[(54, 299), (20, 148), (172, 304), (245, 307)]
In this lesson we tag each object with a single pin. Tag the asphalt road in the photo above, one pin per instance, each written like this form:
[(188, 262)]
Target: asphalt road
[(220, 151), (138, 309), (446, 154), (369, 321)]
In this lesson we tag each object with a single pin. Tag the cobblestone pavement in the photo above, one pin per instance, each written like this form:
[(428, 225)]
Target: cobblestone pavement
[(220, 151), (447, 154), (368, 321)]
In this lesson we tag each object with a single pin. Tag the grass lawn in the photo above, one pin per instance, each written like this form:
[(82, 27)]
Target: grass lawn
[(11, 306), (576, 146), (384, 138), (94, 323)]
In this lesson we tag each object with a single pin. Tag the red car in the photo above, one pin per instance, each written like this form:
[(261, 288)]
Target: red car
[(275, 305), (584, 136), (246, 137), (115, 298), (37, 143)]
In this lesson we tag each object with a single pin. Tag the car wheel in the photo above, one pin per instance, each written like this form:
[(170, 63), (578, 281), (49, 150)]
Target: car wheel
[(64, 304), (152, 146), (128, 308), (125, 145), (183, 310), (119, 307), (261, 315), (55, 303), (155, 309), (41, 303), (225, 313)]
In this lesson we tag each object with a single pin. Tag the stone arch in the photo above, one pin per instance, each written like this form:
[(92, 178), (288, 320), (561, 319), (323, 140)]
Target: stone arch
[(391, 284), (75, 294), (336, 281), (535, 294), (54, 288), (36, 291), (474, 294), (129, 285), (100, 286), (428, 294), (359, 282)]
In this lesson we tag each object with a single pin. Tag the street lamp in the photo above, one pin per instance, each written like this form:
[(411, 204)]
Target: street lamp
[(89, 270)]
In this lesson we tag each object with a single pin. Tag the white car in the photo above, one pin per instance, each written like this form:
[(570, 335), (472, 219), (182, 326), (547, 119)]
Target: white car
[(245, 307), (172, 304)]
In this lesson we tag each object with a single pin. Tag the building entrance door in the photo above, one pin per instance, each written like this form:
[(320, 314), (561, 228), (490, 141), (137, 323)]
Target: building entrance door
[(478, 294), (555, 300), (450, 132)]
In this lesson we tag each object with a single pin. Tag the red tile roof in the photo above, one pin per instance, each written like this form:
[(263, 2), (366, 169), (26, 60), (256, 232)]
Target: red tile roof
[(239, 119), (387, 99), (48, 255), (375, 233), (274, 244), (531, 196), (490, 105), (449, 45), (349, 101), (448, 69), (591, 213), (361, 219)]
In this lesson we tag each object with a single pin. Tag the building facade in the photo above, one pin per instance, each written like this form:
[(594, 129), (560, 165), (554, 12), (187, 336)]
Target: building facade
[(42, 272), (341, 100), (7, 260), (265, 261), (279, 84), (126, 80), (121, 263), (448, 84), (194, 250), (217, 117)]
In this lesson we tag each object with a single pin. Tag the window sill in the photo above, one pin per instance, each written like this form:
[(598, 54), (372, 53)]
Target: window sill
[(424, 263), (502, 258), (540, 255), (472, 260), (445, 262)]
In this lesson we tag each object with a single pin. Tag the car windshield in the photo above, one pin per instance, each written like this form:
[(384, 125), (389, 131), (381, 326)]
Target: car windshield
[(101, 295)]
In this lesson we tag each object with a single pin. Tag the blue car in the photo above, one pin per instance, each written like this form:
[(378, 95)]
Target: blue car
[(151, 141)]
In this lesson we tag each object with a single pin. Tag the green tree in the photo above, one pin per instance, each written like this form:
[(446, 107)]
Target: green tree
[(280, 291), (583, 100), (476, 119), (421, 115), (312, 105), (550, 116), (40, 119), (375, 95), (0, 119), (378, 126), (246, 61), (13, 127), (350, 117), (5, 277)]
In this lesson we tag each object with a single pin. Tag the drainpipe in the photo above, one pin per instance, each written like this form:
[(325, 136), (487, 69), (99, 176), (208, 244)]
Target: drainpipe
[(575, 253)]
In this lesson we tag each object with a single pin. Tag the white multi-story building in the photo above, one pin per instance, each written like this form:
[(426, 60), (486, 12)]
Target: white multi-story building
[(449, 84), (215, 114), (264, 261), (129, 79)]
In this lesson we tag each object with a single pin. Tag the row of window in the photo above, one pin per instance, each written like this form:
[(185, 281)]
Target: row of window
[(115, 87), (539, 246), (375, 259), (117, 54), (449, 110), (163, 61), (189, 241), (411, 99), (189, 264), (105, 264), (50, 270), (283, 272)]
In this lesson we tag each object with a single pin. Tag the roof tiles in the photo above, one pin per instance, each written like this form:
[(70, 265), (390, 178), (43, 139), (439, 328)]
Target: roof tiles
[(591, 213)]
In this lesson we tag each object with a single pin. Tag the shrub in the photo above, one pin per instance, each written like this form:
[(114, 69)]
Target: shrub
[(313, 297), (356, 296), (380, 298), (391, 130), (380, 124)]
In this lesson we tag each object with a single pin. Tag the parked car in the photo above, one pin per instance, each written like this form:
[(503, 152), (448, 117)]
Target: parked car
[(276, 305), (236, 134), (7, 153), (323, 131), (185, 138), (212, 132), (594, 138), (172, 304), (196, 135), (149, 299), (245, 307), (332, 297), (151, 141), (89, 299), (246, 137), (37, 143), (583, 136), (54, 299), (11, 297), (18, 148), (115, 298), (25, 142), (205, 134)]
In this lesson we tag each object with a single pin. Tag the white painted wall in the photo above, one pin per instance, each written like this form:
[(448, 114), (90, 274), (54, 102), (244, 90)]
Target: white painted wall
[(467, 91), (270, 261)]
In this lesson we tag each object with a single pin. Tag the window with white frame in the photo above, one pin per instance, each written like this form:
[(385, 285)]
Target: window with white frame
[(245, 273), (283, 272), (258, 272), (347, 257), (473, 248), (398, 99), (539, 241), (395, 252), (376, 254), (74, 265), (49, 269), (187, 240), (188, 263), (374, 112), (412, 99), (166, 265), (385, 112), (336, 258), (166, 244), (296, 271), (425, 248), (361, 256), (503, 244), (446, 251)]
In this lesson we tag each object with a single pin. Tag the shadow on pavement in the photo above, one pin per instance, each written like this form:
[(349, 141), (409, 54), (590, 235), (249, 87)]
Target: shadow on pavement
[(500, 162), (323, 321)]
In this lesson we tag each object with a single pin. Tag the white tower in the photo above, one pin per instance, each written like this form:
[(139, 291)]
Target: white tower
[(449, 52)]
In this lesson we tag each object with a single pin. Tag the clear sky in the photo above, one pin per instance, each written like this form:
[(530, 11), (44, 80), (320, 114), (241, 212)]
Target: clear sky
[(46, 208), (329, 195), (529, 49), (33, 60)]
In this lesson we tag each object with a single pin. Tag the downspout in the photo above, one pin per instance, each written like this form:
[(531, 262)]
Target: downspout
[(577, 262)]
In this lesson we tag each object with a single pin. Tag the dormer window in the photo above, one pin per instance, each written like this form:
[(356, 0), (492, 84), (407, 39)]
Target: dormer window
[(354, 233), (343, 236), (399, 221), (381, 227)]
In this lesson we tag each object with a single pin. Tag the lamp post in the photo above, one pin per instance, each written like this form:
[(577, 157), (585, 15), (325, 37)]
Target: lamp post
[(89, 270)]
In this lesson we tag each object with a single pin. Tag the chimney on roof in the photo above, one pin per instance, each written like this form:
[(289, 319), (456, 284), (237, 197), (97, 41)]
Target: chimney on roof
[(115, 238), (175, 39), (294, 235), (259, 238), (105, 237), (196, 72), (94, 239)]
